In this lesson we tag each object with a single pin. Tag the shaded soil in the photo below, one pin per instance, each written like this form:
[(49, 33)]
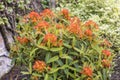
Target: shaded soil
[(116, 74), (15, 74)]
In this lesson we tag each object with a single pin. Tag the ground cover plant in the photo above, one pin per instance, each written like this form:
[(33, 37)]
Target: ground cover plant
[(58, 46)]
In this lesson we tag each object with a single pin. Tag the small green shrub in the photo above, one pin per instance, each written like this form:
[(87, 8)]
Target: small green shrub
[(56, 46)]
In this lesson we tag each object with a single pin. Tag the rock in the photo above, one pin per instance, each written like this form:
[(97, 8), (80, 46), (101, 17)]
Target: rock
[(5, 65), (5, 61)]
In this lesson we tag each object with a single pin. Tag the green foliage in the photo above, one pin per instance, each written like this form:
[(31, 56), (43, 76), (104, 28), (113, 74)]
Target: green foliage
[(57, 46)]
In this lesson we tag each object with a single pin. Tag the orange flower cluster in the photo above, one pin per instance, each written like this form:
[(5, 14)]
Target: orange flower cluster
[(42, 25), (47, 13), (74, 27), (106, 52), (65, 12), (50, 38), (88, 32), (34, 16), (39, 66), (22, 40), (87, 71), (106, 63), (91, 23)]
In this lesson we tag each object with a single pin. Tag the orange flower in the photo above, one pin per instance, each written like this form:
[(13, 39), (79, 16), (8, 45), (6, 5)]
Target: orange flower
[(106, 43), (90, 22), (41, 25), (47, 13), (22, 40), (75, 20), (65, 12), (106, 52), (51, 38), (59, 26), (34, 16), (106, 63), (88, 32), (87, 71), (75, 29), (39, 66), (60, 42)]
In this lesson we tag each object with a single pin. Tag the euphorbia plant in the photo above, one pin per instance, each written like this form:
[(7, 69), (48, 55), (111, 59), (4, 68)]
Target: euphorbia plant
[(56, 46)]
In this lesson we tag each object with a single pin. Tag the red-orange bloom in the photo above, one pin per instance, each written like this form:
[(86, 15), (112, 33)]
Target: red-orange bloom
[(22, 40), (106, 52), (87, 71), (90, 22), (59, 26), (39, 66), (88, 32), (34, 16), (47, 13), (65, 12), (75, 20), (41, 25), (50, 38), (106, 43), (75, 29), (60, 42), (106, 63)]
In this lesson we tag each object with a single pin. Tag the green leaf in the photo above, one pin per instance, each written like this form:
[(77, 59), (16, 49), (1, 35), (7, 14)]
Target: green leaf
[(73, 62), (68, 46), (46, 77), (55, 58), (72, 75), (47, 57), (60, 62), (33, 51), (56, 49), (73, 42), (78, 50), (36, 74), (96, 47), (64, 66), (42, 47), (65, 56), (77, 79), (30, 68), (104, 74), (74, 69), (73, 53), (25, 73), (53, 70)]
